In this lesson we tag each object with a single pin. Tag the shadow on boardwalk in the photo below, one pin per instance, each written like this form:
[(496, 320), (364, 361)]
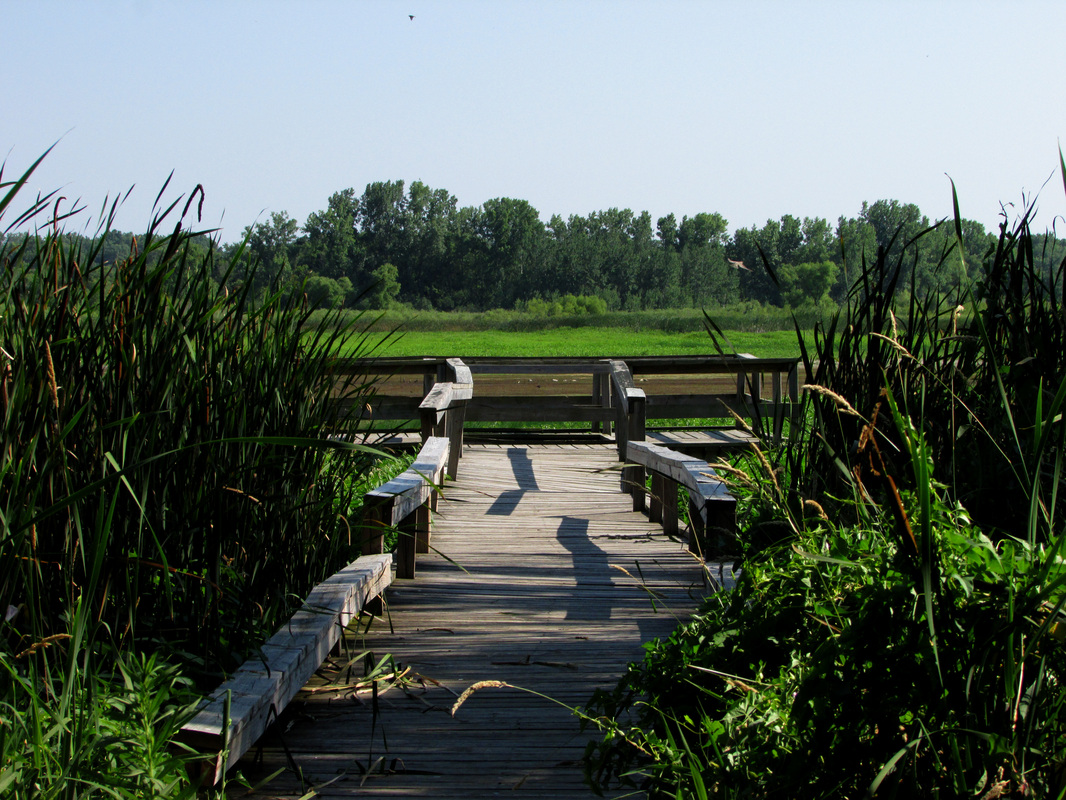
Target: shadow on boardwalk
[(537, 602)]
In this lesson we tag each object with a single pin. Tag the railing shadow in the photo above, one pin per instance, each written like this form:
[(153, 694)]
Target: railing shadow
[(522, 468)]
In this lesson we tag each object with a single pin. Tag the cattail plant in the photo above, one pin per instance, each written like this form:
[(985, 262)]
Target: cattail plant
[(170, 481)]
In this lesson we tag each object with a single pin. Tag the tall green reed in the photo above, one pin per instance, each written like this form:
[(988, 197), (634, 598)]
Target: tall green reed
[(170, 478), (909, 641)]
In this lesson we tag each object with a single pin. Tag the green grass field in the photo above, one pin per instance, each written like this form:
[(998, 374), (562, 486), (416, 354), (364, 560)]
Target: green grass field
[(584, 341)]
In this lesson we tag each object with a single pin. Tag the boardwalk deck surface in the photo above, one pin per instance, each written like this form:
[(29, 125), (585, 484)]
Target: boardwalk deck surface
[(543, 535)]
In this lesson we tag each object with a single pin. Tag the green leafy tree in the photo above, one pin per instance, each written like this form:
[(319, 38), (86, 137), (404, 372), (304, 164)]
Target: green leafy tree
[(514, 239), (807, 283), (325, 292), (381, 219), (385, 288), (271, 244), (705, 275), (429, 221), (331, 247)]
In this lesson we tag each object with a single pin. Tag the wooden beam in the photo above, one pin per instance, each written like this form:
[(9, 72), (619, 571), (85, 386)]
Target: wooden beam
[(236, 714), (413, 487), (711, 505)]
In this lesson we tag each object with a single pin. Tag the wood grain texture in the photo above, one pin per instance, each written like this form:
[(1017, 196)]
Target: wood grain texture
[(543, 578), (238, 712)]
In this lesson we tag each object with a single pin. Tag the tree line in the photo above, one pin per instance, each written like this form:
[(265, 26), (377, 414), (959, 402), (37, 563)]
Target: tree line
[(413, 245)]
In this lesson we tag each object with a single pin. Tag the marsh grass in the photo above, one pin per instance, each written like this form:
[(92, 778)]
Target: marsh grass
[(905, 639), (170, 489)]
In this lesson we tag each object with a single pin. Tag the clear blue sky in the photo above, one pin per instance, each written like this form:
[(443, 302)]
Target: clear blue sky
[(749, 109)]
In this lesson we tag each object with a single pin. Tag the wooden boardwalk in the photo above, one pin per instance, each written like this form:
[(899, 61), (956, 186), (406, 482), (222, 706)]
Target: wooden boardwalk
[(552, 585)]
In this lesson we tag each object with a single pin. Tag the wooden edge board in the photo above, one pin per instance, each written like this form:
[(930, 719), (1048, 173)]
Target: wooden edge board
[(261, 688), (413, 487), (439, 397), (460, 371), (693, 473), (563, 368)]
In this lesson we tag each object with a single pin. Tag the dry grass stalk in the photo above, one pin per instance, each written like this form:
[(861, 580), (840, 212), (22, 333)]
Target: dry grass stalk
[(812, 505), (477, 687), (47, 641), (743, 423), (767, 467), (736, 476), (643, 585), (903, 351), (841, 402)]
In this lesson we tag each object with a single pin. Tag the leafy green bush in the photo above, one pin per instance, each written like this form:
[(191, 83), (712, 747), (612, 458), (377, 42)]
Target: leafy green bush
[(912, 647), (834, 670), (567, 305)]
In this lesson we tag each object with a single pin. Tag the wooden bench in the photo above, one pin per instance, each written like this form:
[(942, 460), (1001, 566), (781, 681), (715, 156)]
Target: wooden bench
[(236, 714), (710, 503), (406, 503)]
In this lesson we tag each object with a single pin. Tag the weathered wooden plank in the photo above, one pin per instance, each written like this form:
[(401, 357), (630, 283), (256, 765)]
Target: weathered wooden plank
[(521, 366), (238, 712), (414, 486)]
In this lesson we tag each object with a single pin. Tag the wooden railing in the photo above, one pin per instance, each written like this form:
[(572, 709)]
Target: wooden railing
[(443, 411), (710, 506), (406, 504), (764, 391), (630, 404), (239, 711), (236, 714)]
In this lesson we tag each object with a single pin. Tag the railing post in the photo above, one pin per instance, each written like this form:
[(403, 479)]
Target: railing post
[(378, 519), (697, 528), (429, 376), (601, 397), (669, 520), (423, 523), (427, 422), (406, 545), (463, 386), (779, 411), (636, 434), (794, 400), (655, 502)]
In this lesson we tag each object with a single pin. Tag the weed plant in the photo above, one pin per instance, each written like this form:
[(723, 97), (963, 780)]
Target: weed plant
[(905, 638), (169, 491)]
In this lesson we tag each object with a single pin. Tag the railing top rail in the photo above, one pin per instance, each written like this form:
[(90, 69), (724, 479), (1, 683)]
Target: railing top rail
[(411, 488), (693, 473), (522, 368), (625, 389)]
